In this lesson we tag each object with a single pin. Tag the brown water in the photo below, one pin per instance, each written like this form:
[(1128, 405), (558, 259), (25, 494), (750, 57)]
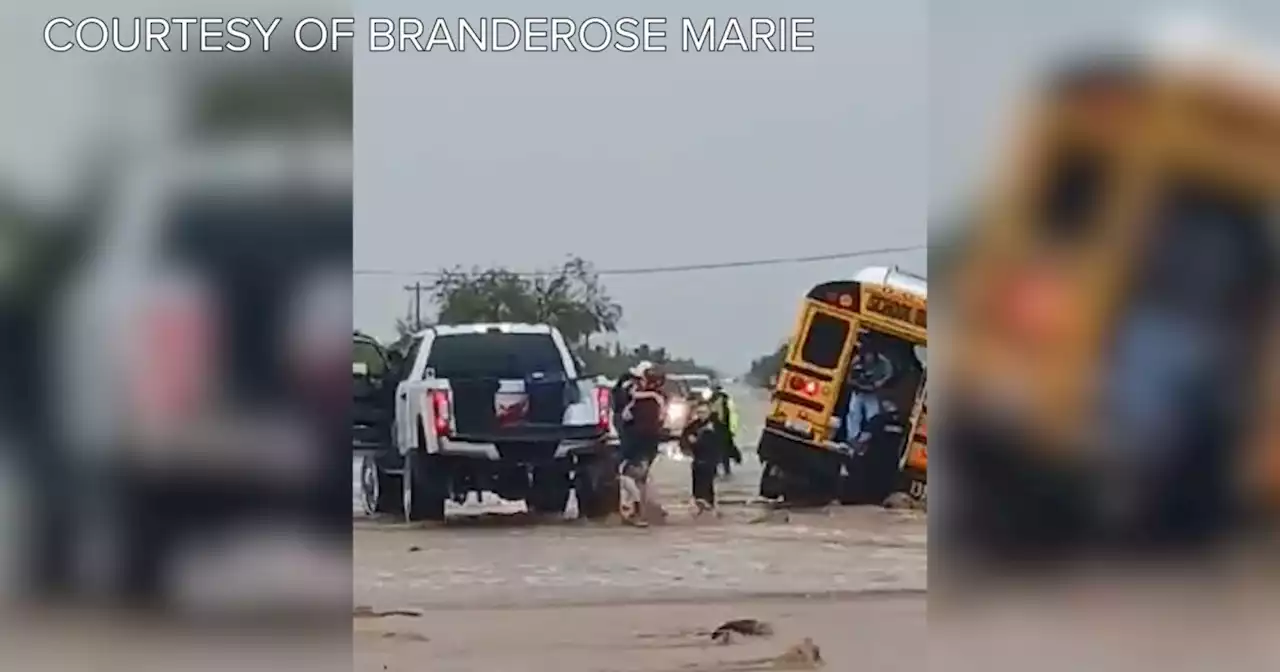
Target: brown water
[(495, 589)]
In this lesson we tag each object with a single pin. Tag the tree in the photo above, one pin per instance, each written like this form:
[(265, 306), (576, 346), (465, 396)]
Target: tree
[(575, 301), (570, 298), (765, 369), (405, 330), (407, 327), (616, 360)]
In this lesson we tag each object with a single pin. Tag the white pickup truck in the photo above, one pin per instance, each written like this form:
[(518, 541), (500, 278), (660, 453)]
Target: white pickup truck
[(501, 408)]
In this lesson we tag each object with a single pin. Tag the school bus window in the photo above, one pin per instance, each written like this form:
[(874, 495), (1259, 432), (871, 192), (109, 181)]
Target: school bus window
[(824, 343), (1073, 193)]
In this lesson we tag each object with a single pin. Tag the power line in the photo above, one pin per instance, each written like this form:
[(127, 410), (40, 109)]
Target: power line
[(652, 270)]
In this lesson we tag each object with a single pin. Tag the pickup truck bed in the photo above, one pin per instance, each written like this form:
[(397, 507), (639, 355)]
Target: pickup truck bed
[(497, 408)]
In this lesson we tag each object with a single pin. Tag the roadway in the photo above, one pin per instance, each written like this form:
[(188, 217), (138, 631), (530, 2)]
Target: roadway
[(495, 590)]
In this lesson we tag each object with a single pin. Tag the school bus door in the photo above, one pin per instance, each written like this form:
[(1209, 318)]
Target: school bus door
[(808, 389)]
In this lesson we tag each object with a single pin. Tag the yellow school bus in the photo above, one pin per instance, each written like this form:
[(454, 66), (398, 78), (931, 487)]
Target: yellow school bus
[(809, 455), (1126, 250)]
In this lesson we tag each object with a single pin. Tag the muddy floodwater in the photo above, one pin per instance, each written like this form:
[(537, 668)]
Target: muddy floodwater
[(494, 590)]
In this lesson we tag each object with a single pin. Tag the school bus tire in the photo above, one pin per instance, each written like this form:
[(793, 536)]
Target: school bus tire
[(771, 486), (815, 486), (869, 479), (776, 483), (853, 492), (798, 474), (808, 495)]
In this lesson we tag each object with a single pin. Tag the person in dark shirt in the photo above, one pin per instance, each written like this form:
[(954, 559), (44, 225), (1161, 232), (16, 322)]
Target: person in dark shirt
[(643, 416), (620, 396), (703, 441), (641, 436)]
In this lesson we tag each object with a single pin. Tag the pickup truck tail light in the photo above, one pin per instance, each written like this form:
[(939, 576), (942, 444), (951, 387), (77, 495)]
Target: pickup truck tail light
[(174, 364), (439, 411), (603, 410)]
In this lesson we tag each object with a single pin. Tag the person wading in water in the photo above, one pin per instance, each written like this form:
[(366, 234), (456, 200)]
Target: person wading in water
[(725, 417), (641, 436), (703, 441)]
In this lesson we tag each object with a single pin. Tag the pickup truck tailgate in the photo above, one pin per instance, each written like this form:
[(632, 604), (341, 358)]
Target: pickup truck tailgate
[(535, 409)]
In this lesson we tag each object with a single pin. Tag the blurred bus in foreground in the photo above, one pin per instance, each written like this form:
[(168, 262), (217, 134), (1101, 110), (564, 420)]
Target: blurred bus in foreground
[(1111, 365), (847, 328)]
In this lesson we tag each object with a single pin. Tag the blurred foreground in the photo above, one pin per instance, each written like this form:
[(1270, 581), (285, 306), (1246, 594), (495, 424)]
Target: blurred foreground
[(1111, 344), (174, 309), (1108, 346)]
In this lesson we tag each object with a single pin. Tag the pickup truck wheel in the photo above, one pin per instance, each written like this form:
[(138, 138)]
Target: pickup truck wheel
[(595, 483), (550, 491), (424, 487), (380, 492)]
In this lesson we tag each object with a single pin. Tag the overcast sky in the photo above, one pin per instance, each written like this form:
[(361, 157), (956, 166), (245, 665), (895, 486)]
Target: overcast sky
[(648, 159), (641, 159), (983, 52)]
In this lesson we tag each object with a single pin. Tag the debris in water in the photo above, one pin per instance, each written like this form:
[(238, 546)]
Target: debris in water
[(749, 627), (364, 611), (901, 501), (803, 656), (771, 516), (415, 549), (407, 636)]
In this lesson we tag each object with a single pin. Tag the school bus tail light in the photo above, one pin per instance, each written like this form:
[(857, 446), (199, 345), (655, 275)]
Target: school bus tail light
[(1033, 307), (805, 387)]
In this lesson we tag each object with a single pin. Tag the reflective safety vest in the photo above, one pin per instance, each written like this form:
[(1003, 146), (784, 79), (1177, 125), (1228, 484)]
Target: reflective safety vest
[(722, 407)]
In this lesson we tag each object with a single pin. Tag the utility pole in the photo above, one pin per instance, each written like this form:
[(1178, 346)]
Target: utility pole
[(417, 288)]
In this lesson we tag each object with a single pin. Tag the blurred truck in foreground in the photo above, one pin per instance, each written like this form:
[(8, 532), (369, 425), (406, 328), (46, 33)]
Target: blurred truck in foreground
[(186, 371)]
